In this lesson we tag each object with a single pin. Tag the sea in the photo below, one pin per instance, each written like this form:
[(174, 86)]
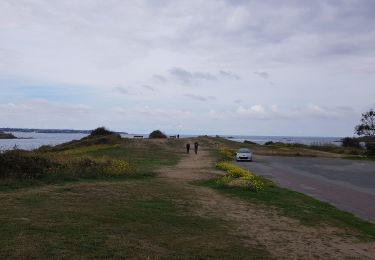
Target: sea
[(31, 140)]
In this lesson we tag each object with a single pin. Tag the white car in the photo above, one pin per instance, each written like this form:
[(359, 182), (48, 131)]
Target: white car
[(244, 154)]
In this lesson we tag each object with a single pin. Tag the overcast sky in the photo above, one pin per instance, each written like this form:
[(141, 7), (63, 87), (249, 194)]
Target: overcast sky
[(275, 67)]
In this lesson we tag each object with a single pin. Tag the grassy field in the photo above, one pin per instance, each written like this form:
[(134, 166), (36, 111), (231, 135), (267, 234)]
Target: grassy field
[(138, 214), (122, 219)]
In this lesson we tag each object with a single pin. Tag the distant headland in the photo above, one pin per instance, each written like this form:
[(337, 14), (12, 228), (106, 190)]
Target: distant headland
[(6, 136), (46, 131)]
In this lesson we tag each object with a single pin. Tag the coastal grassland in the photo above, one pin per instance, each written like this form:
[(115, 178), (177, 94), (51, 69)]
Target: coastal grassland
[(98, 157), (306, 209), (106, 217), (281, 149), (134, 218)]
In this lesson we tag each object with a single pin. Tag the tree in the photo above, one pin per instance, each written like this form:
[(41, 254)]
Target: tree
[(367, 126), (157, 134)]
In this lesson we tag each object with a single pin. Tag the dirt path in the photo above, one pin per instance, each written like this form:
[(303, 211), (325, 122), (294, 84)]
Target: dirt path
[(253, 224)]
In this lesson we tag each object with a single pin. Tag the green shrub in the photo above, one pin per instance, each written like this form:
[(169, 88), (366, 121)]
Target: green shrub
[(370, 147), (157, 134), (350, 142), (101, 131)]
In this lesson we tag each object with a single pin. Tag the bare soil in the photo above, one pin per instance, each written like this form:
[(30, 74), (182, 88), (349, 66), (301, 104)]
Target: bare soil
[(256, 224)]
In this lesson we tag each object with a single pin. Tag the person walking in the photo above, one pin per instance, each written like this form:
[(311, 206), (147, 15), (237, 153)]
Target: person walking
[(187, 148), (196, 147)]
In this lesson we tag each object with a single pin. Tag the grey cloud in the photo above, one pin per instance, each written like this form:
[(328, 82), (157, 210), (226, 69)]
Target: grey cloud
[(199, 98), (181, 75), (159, 78), (148, 87), (126, 91), (205, 76), (188, 77), (262, 74), (229, 75)]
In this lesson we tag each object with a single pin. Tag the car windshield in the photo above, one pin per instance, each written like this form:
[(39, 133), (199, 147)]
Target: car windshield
[(244, 150)]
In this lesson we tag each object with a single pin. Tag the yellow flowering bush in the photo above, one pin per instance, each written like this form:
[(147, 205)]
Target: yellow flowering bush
[(85, 166), (236, 176), (118, 168)]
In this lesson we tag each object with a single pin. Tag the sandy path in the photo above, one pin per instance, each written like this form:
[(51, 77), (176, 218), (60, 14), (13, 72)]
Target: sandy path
[(254, 224)]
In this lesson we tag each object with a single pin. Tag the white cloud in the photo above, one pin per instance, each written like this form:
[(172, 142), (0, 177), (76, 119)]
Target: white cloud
[(252, 110)]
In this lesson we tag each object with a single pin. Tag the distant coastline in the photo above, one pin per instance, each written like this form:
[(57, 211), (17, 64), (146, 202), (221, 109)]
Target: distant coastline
[(49, 131)]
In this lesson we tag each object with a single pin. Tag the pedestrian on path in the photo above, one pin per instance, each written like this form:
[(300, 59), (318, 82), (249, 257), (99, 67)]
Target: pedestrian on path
[(196, 147), (187, 148)]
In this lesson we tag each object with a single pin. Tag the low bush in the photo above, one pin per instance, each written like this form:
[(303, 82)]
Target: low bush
[(157, 134), (249, 142), (275, 143), (19, 164), (25, 165), (238, 177)]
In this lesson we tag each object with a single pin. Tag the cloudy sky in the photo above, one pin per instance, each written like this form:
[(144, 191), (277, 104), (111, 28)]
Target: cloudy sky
[(253, 67)]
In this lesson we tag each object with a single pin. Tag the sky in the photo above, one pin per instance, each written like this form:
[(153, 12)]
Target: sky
[(245, 67)]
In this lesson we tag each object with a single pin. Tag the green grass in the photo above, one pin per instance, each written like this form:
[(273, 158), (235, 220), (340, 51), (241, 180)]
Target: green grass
[(363, 158), (146, 155), (307, 210), (124, 219)]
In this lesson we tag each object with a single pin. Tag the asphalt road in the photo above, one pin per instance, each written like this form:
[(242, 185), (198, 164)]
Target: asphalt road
[(347, 184)]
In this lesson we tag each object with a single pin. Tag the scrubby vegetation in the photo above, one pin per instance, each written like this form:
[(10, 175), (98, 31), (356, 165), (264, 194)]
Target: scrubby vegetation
[(225, 154), (27, 165), (157, 134)]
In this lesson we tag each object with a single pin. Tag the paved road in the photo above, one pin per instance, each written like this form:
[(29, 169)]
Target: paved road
[(347, 184)]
